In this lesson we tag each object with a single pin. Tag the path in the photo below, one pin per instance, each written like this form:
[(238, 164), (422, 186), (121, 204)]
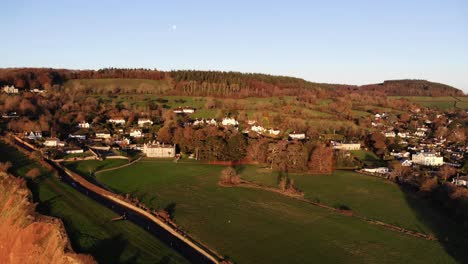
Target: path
[(118, 167)]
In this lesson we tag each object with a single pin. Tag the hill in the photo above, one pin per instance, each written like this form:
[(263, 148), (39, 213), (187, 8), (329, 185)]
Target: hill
[(221, 84)]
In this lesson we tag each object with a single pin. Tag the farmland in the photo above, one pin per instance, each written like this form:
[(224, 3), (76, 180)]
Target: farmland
[(442, 102), (89, 224), (282, 230)]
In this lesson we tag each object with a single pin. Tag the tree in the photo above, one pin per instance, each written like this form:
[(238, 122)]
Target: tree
[(5, 166), (229, 176), (165, 134), (446, 172), (321, 160)]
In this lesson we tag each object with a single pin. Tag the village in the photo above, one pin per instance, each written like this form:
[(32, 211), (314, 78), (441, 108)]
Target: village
[(415, 141)]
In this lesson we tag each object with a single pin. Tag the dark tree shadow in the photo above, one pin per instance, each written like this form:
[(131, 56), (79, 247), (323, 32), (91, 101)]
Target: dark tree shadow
[(109, 250), (450, 233), (170, 209)]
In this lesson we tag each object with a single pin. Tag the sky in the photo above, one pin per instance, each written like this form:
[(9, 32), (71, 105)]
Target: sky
[(332, 41)]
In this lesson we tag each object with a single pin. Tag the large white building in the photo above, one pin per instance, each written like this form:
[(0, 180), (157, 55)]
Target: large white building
[(297, 136), (427, 159), (117, 121), (158, 150), (84, 125), (144, 122)]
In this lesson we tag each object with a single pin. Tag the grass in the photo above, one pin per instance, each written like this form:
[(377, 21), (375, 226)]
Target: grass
[(255, 226), (87, 167), (89, 224), (439, 102), (368, 158)]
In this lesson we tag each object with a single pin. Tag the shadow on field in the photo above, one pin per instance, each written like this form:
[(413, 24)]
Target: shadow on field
[(452, 235), (109, 250)]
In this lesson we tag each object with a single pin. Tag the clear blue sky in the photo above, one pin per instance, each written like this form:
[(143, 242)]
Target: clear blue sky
[(336, 41)]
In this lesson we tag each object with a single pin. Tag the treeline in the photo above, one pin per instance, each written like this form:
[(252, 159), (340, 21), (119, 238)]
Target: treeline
[(412, 88)]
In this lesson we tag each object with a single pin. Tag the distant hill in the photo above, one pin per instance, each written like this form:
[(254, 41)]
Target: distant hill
[(217, 83), (412, 88)]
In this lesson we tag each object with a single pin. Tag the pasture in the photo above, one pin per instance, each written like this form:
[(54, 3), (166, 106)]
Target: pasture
[(256, 226), (440, 102), (88, 224)]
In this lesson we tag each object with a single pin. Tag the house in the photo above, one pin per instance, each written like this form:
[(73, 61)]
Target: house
[(74, 151), (251, 122), (33, 135), (380, 170), (103, 135), (427, 159), (53, 142), (229, 122), (10, 115), (406, 163), (136, 133), (297, 135), (117, 121), (390, 134), (258, 129), (212, 122), (184, 110), (420, 133), (158, 150), (346, 146), (142, 122), (273, 131), (460, 182), (35, 90), (10, 89), (77, 136), (84, 125), (403, 134)]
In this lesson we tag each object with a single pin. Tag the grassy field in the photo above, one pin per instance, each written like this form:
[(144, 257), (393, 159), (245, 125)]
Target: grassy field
[(255, 226), (89, 224), (440, 102), (368, 158)]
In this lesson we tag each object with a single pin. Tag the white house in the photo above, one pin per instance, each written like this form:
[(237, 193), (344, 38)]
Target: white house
[(459, 182), (427, 159), (53, 142), (390, 134), (346, 146), (103, 135), (136, 133), (33, 135), (144, 122), (229, 122), (297, 135), (158, 150), (380, 170), (184, 110), (77, 136), (258, 129), (84, 125), (251, 122), (420, 133), (117, 121), (74, 151), (10, 89), (403, 134), (273, 131), (35, 90)]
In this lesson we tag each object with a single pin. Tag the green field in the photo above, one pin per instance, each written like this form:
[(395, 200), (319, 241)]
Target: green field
[(440, 102), (255, 226), (89, 224), (368, 158)]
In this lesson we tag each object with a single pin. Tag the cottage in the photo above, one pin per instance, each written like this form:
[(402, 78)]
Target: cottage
[(10, 89), (136, 133), (297, 136), (229, 122), (346, 146), (33, 135), (53, 142), (251, 122), (273, 131), (403, 134), (380, 170), (158, 150), (84, 125), (77, 136), (117, 121), (258, 129), (74, 151), (142, 122), (460, 182), (35, 90), (427, 159), (103, 135), (390, 134)]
